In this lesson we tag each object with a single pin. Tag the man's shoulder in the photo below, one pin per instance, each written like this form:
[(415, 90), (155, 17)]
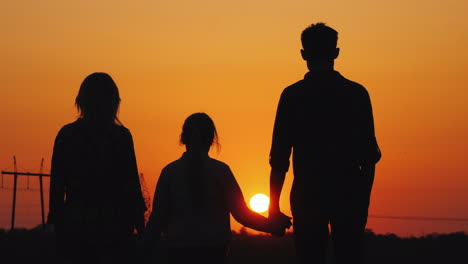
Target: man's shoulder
[(293, 89), (354, 86)]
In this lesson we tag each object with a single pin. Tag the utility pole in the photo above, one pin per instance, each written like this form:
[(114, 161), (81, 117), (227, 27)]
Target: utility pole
[(15, 180), (15, 174), (42, 194)]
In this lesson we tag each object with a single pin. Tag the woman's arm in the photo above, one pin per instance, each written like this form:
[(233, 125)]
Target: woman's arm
[(57, 181), (139, 204)]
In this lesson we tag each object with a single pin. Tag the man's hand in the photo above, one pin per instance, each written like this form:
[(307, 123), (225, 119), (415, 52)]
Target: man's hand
[(140, 224), (279, 222), (50, 228)]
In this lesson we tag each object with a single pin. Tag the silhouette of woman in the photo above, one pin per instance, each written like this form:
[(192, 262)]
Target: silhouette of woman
[(194, 197), (95, 197)]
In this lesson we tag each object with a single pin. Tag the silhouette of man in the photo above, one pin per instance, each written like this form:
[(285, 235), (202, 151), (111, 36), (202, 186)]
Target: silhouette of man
[(327, 121)]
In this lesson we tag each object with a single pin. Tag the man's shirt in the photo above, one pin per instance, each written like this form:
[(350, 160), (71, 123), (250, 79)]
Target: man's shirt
[(326, 121)]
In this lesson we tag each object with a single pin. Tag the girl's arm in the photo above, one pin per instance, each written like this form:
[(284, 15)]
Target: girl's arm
[(243, 214)]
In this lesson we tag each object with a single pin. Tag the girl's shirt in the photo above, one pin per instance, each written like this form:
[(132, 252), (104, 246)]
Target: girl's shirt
[(200, 217)]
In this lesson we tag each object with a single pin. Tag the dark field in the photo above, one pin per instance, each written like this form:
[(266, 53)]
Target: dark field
[(37, 246)]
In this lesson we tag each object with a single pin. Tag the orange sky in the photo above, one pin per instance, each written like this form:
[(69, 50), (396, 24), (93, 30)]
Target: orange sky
[(232, 60)]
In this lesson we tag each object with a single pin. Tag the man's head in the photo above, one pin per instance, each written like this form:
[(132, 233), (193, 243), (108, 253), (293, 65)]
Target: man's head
[(319, 44)]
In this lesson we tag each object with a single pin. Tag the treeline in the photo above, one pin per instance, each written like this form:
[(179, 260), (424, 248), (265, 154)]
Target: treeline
[(37, 246)]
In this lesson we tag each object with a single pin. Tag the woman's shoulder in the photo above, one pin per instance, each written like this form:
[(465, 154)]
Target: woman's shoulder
[(69, 129), (122, 132), (122, 128), (80, 127)]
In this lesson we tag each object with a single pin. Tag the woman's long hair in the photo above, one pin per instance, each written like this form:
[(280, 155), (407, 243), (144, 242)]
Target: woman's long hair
[(198, 135), (98, 98)]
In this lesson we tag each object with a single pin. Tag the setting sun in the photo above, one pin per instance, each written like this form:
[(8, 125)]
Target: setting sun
[(259, 202)]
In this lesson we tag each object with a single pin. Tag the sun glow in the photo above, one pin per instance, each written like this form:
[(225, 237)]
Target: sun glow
[(259, 202)]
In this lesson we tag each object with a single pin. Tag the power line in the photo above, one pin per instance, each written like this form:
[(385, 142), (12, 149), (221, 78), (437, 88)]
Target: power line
[(15, 174), (418, 218)]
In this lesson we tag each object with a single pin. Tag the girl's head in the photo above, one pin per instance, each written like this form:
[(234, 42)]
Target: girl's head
[(199, 133), (98, 98)]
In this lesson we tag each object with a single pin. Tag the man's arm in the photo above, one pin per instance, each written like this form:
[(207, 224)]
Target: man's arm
[(372, 152), (274, 213), (276, 185), (279, 155)]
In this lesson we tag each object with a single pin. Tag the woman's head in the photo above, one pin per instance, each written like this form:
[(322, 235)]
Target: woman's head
[(98, 98), (199, 133)]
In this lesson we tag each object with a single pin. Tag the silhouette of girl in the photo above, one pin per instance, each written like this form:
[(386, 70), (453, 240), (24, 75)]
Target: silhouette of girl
[(194, 197), (95, 197)]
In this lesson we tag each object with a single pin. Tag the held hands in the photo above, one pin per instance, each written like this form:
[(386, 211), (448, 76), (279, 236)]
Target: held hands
[(140, 227), (278, 223)]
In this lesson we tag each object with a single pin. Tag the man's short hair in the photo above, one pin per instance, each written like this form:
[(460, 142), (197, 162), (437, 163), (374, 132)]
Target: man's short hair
[(319, 40)]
